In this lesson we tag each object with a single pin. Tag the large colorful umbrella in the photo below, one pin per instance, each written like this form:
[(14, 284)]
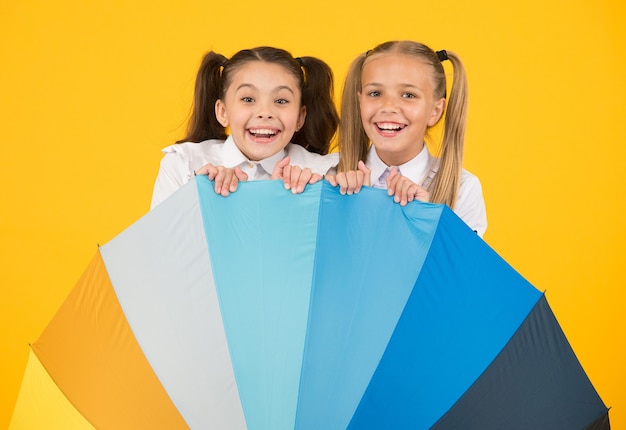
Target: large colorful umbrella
[(267, 310)]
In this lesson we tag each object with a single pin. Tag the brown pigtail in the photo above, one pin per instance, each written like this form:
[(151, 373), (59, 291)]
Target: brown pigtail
[(203, 124), (322, 119)]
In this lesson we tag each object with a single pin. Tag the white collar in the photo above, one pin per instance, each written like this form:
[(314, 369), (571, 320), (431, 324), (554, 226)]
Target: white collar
[(416, 169), (233, 157)]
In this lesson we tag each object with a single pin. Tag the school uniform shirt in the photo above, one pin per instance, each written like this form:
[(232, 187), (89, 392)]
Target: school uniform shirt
[(181, 160), (470, 204)]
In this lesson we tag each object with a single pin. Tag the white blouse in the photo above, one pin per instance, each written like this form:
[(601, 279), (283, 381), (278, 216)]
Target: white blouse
[(182, 159), (470, 204)]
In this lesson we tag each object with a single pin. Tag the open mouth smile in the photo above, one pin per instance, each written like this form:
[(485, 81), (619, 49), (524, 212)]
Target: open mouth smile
[(263, 134), (389, 128)]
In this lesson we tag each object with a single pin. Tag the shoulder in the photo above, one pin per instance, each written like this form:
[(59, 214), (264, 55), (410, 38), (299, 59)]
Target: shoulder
[(191, 149), (294, 150), (191, 154), (470, 181), (317, 163)]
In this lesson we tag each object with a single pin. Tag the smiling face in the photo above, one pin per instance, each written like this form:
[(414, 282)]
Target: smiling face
[(397, 105), (262, 106)]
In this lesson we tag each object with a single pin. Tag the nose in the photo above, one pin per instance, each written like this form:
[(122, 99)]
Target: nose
[(389, 104), (265, 110)]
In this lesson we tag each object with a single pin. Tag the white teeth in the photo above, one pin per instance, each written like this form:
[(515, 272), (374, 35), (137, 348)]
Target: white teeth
[(263, 131), (389, 126)]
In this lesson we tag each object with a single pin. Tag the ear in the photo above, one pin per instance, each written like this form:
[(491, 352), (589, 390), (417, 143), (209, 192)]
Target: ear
[(301, 118), (435, 116), (220, 113)]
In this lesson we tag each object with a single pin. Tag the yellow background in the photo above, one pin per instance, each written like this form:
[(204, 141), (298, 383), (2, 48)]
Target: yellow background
[(90, 92)]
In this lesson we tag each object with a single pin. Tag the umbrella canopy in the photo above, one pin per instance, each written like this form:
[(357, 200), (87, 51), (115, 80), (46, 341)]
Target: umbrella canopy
[(267, 310)]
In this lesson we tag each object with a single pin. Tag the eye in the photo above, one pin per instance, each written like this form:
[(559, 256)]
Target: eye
[(408, 95), (281, 101), (374, 94), (247, 99)]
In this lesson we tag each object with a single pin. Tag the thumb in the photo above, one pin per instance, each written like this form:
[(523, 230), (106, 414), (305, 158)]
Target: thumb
[(367, 173), (240, 174), (278, 169)]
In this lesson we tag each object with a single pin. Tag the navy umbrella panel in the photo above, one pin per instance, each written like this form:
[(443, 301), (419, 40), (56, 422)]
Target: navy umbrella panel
[(267, 310), (555, 390)]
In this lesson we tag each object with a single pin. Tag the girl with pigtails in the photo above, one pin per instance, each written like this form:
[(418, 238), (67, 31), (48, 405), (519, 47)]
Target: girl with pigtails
[(392, 96), (281, 116)]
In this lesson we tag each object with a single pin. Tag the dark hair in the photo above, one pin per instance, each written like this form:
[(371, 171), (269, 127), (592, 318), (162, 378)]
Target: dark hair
[(315, 79), (354, 143)]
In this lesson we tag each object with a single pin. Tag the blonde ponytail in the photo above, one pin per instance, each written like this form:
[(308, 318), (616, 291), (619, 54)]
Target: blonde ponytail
[(445, 186), (352, 141)]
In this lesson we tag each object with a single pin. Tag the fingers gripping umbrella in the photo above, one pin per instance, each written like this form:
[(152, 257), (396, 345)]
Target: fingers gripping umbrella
[(267, 310)]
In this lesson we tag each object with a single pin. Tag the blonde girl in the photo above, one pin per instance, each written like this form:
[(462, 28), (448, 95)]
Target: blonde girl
[(392, 96), (280, 114)]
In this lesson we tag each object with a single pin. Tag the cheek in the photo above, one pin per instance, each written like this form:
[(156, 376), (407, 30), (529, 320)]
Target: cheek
[(366, 109), (296, 117)]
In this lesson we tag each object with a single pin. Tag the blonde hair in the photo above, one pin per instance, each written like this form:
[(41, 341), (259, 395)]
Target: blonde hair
[(354, 143)]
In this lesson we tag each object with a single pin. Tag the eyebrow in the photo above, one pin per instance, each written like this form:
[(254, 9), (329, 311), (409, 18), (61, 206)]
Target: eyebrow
[(376, 84), (275, 90), (371, 86)]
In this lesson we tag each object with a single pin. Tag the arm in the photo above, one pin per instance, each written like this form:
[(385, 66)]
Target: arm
[(173, 173), (470, 204)]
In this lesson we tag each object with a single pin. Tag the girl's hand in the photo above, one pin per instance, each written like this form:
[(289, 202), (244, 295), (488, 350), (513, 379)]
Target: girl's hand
[(294, 177), (403, 190), (350, 182), (226, 179)]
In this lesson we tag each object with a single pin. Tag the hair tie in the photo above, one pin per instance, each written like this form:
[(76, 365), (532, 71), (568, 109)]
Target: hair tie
[(299, 60), (224, 63), (442, 55)]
